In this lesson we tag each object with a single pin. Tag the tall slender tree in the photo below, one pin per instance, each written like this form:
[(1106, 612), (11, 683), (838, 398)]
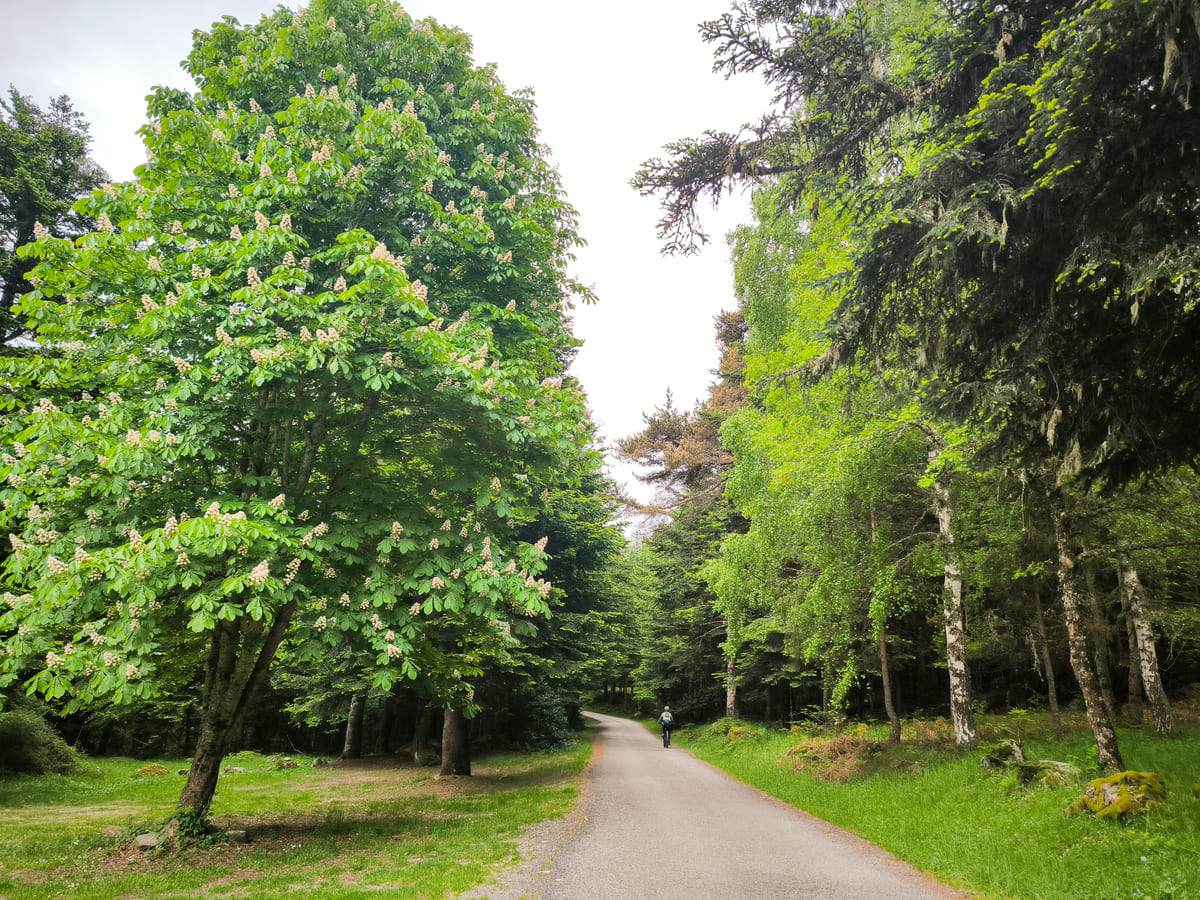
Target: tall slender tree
[(44, 169)]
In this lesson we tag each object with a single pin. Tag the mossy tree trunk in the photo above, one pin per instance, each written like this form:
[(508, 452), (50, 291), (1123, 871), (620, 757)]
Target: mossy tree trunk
[(1108, 753), (1160, 707)]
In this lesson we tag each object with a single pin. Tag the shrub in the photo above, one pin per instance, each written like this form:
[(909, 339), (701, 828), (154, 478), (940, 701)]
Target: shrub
[(737, 732), (545, 721), (30, 746), (837, 759)]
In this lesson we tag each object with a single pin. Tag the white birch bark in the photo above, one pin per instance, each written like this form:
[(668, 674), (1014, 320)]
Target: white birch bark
[(961, 714), (1147, 656), (1108, 753)]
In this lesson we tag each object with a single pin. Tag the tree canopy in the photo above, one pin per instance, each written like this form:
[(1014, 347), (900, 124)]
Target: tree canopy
[(1030, 233), (303, 381)]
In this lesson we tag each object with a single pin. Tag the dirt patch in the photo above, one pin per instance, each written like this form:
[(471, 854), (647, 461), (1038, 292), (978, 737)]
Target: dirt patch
[(403, 778), (54, 815), (1186, 707)]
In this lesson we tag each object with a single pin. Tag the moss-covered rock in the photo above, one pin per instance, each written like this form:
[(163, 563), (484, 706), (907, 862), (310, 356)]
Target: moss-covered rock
[(998, 756), (153, 770), (1046, 773), (1009, 757), (1121, 796), (737, 732)]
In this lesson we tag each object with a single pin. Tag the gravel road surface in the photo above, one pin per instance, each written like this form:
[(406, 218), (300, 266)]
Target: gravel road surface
[(660, 823)]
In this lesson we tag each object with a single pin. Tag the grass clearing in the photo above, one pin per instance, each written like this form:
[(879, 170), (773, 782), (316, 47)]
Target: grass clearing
[(344, 831), (939, 810)]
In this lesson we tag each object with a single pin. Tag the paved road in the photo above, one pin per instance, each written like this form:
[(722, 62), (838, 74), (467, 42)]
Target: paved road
[(661, 824)]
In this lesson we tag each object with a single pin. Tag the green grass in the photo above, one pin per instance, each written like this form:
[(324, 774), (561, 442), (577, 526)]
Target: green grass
[(332, 832), (937, 809)]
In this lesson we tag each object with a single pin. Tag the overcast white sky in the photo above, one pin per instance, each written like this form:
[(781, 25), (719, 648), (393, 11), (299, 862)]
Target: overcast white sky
[(613, 81)]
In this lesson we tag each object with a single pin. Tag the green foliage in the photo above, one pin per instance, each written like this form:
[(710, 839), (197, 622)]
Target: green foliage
[(1087, 762), (827, 472), (195, 828), (679, 630), (304, 377), (30, 746), (974, 248), (1029, 239), (544, 720)]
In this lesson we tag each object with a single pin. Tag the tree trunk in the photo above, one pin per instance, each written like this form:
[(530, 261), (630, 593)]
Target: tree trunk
[(352, 749), (1160, 707), (202, 777), (1047, 663), (1099, 633), (731, 706), (239, 658), (387, 724), (1108, 753), (894, 734), (1134, 709), (456, 756), (965, 734), (421, 730)]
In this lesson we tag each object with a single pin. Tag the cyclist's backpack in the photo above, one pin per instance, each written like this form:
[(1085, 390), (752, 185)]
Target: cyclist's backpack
[(667, 720)]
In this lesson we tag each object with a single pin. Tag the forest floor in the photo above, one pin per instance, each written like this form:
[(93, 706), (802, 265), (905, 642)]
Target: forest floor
[(350, 829)]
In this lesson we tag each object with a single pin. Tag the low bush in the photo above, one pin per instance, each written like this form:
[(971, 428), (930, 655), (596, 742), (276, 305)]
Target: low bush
[(30, 746)]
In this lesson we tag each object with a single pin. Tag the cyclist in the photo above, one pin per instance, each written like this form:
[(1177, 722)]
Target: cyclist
[(667, 721)]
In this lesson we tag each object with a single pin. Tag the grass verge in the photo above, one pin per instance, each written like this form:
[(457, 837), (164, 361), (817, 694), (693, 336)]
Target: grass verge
[(344, 831), (938, 809)]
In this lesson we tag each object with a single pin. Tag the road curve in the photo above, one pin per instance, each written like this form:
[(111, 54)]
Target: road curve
[(661, 823)]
